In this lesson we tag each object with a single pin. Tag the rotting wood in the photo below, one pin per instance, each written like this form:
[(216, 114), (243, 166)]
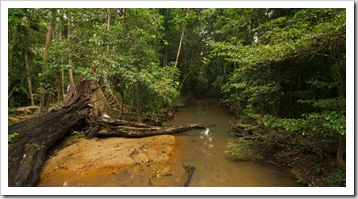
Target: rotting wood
[(32, 139)]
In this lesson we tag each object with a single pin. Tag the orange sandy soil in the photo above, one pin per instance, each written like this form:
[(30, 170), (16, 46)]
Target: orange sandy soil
[(114, 162)]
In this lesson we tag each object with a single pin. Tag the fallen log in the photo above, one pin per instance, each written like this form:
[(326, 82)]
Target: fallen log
[(133, 132), (118, 122), (32, 138)]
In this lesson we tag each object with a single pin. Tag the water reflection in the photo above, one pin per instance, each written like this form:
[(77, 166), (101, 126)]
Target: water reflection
[(207, 137), (205, 150)]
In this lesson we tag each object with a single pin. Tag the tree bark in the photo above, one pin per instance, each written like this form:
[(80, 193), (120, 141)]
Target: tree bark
[(181, 40), (32, 139), (62, 77), (62, 82), (70, 72), (108, 24), (46, 98), (50, 28), (136, 132)]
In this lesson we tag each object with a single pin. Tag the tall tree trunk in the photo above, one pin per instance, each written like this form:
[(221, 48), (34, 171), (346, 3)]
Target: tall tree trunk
[(62, 73), (181, 40), (50, 28), (70, 71), (165, 37), (28, 73), (182, 82), (62, 82), (46, 98), (108, 24)]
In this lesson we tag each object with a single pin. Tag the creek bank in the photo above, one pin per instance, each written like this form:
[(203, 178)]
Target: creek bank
[(319, 175)]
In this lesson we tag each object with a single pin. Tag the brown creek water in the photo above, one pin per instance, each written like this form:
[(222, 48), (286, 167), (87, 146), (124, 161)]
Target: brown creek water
[(207, 152)]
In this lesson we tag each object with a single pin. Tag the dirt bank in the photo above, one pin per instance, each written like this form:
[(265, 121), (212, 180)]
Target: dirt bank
[(114, 162)]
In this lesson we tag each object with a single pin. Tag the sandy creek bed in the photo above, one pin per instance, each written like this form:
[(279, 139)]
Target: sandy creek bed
[(114, 162)]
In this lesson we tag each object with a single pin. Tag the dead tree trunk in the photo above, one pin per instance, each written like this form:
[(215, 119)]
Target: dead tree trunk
[(85, 106), (32, 138)]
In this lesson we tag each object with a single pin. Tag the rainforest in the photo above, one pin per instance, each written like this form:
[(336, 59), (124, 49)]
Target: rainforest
[(177, 97)]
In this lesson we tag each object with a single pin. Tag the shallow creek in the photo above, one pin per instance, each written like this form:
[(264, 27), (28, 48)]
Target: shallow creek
[(206, 152), (159, 161)]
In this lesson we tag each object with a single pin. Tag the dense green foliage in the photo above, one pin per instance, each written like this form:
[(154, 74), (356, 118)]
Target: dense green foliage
[(280, 71), (121, 45), (289, 87)]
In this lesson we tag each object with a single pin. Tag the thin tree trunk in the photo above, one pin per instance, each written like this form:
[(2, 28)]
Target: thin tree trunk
[(47, 43), (181, 41), (182, 82), (165, 38), (46, 98), (62, 82), (28, 72), (108, 24), (62, 73), (70, 72)]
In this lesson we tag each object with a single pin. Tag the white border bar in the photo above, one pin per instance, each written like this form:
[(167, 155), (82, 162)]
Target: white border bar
[(349, 190)]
